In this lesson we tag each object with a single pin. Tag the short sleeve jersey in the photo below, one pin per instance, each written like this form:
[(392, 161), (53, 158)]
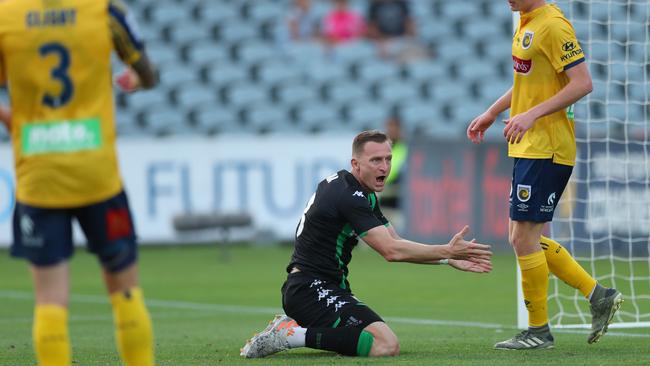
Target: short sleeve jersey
[(336, 216), (543, 48), (55, 62)]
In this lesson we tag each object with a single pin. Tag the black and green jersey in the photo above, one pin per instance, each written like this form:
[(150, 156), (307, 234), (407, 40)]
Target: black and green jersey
[(336, 216)]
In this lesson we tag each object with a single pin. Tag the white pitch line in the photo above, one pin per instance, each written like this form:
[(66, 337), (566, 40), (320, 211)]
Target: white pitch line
[(239, 309)]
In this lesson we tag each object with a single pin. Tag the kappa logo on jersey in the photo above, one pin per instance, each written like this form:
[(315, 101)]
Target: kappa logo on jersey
[(523, 192), (322, 293), (521, 66), (331, 299), (528, 40), (358, 194), (339, 305), (315, 283)]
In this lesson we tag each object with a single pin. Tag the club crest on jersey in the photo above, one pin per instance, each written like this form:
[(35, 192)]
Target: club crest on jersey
[(523, 192), (527, 41)]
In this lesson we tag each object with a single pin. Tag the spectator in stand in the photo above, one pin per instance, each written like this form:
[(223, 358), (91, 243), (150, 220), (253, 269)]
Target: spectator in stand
[(342, 24), (393, 30), (303, 22), (390, 197)]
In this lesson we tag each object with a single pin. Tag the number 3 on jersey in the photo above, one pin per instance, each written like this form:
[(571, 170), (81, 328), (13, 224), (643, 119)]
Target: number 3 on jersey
[(58, 73)]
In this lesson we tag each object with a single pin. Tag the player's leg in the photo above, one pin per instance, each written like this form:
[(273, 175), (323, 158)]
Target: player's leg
[(530, 207), (109, 228), (44, 237), (323, 316), (604, 302)]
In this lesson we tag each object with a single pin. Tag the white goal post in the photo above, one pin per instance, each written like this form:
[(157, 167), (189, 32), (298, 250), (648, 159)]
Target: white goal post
[(604, 215)]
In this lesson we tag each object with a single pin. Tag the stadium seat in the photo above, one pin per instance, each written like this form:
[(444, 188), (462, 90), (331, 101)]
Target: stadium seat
[(295, 93), (484, 29), (270, 72), (160, 52), (215, 118), (374, 69), (191, 95), (236, 31), (309, 115), (242, 94), (174, 74), (346, 91), (185, 32), (167, 12), (204, 52), (418, 113), (209, 14), (143, 99), (454, 50), (475, 69), (220, 74), (366, 114), (396, 90), (260, 11), (426, 70), (163, 120), (250, 52), (460, 10), (321, 71), (264, 117), (447, 89), (354, 51)]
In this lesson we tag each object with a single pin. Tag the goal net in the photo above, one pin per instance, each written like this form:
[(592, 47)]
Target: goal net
[(604, 215)]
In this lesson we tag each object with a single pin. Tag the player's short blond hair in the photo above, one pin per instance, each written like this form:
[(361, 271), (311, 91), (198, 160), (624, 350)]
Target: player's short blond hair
[(364, 137)]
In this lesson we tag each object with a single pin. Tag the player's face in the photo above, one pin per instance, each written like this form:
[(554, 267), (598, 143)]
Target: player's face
[(373, 165)]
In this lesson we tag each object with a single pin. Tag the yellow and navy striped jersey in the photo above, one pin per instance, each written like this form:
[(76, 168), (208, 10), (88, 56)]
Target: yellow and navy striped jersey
[(543, 48), (55, 62)]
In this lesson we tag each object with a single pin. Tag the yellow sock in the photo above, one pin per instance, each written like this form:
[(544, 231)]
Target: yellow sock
[(534, 275), (50, 334), (132, 328), (564, 266)]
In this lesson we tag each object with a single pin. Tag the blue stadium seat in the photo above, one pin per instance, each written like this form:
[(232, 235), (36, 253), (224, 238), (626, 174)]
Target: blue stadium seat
[(460, 9), (354, 51), (223, 73), (346, 91), (191, 95), (270, 72), (143, 99), (455, 50), (237, 32), (263, 117), (419, 113), (162, 120), (185, 32), (168, 12), (161, 52), (243, 94), (250, 52), (309, 115), (397, 90), (174, 74), (476, 69), (367, 114), (205, 52), (374, 69), (488, 28), (215, 118), (208, 13), (426, 70), (296, 93), (322, 71), (447, 89)]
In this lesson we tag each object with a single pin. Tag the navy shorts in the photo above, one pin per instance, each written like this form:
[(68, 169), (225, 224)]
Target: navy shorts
[(537, 185), (317, 303), (44, 235)]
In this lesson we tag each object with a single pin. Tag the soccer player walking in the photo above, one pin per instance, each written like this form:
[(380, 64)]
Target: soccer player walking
[(550, 74), (55, 61), (321, 311)]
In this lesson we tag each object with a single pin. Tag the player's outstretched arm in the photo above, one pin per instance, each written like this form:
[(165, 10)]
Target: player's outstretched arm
[(402, 250), (478, 126), (5, 117)]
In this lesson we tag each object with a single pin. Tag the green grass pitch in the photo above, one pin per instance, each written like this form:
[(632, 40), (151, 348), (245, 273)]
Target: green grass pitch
[(205, 305)]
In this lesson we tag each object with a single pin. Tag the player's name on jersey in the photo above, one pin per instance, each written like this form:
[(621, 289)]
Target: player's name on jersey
[(51, 17)]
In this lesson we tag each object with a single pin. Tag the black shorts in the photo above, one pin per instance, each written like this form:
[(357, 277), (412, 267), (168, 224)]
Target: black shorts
[(316, 303), (537, 185), (44, 235)]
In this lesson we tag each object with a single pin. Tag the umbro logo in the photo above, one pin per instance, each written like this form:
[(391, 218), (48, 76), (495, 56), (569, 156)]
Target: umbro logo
[(359, 194)]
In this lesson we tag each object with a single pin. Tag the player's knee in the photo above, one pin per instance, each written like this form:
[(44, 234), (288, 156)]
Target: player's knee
[(383, 347), (122, 254)]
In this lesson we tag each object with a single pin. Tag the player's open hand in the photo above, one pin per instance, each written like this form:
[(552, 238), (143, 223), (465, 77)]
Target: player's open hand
[(517, 126), (472, 251), (467, 266), (478, 126)]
